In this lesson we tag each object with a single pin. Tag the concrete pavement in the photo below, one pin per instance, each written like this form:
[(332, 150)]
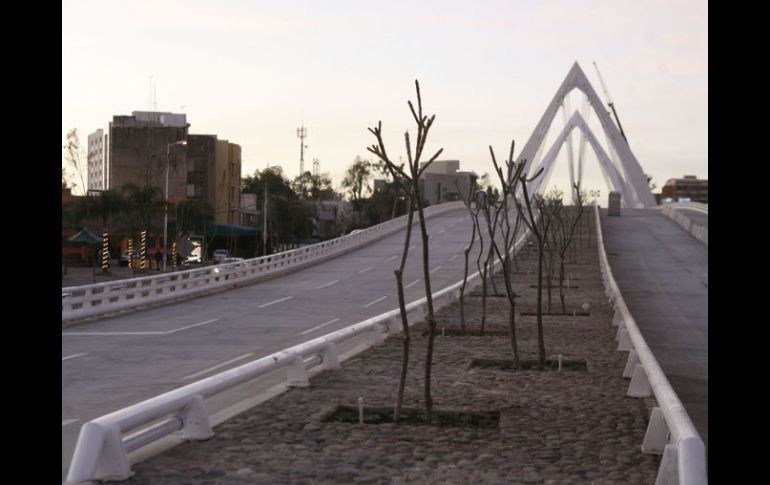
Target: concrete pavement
[(662, 272)]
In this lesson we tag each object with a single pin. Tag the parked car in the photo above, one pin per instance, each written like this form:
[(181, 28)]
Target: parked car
[(124, 257), (220, 255)]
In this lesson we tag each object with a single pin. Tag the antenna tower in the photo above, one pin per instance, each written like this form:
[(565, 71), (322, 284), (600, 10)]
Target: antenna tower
[(301, 134)]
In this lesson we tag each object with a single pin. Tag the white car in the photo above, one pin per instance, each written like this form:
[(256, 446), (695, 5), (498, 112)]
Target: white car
[(220, 255)]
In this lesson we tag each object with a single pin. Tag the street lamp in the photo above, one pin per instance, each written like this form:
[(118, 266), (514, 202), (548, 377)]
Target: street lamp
[(165, 196)]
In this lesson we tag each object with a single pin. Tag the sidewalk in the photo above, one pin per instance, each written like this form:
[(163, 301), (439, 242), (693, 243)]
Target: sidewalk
[(554, 427)]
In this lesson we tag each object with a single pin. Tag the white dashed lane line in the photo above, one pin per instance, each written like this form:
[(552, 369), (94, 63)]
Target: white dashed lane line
[(435, 269), (319, 326), (215, 367), (365, 270), (412, 283), (391, 258), (275, 301), (375, 301), (327, 284), (65, 422), (73, 356), (453, 257)]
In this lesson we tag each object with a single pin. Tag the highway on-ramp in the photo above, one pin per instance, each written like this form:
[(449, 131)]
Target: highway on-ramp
[(115, 362)]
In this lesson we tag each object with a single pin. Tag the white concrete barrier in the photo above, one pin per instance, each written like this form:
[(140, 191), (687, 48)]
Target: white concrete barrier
[(699, 232), (105, 298), (684, 454)]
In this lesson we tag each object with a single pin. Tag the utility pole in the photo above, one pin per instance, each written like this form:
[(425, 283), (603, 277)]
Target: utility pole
[(264, 219)]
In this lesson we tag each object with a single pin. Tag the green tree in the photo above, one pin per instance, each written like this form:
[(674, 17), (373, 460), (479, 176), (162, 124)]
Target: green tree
[(356, 180)]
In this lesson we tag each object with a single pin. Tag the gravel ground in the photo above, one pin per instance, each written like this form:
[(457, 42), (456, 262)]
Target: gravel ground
[(555, 427)]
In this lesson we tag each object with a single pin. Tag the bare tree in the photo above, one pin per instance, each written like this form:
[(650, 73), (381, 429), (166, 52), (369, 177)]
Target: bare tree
[(508, 181), (568, 223), (531, 221), (467, 251), (424, 124)]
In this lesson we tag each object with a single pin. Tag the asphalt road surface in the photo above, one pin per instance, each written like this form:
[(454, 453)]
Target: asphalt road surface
[(115, 362)]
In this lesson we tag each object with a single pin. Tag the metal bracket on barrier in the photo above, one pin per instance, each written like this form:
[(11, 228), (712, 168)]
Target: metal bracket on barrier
[(657, 433), (640, 385), (621, 328), (631, 363), (197, 426), (375, 336), (668, 470), (103, 457), (624, 341), (296, 373), (329, 357), (617, 319)]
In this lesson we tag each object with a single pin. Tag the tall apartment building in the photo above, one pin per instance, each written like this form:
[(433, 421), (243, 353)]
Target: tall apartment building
[(138, 148), (133, 149)]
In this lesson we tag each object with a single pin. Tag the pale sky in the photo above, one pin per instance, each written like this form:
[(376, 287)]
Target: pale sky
[(252, 71)]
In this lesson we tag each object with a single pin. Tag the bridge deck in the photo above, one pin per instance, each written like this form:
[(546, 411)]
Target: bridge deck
[(662, 272)]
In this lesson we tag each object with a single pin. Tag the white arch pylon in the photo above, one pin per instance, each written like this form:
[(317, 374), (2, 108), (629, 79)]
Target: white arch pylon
[(605, 162), (640, 196)]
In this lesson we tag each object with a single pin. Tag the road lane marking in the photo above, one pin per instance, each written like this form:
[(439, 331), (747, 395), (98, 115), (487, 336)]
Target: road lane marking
[(391, 258), (327, 284), (113, 333), (453, 257), (375, 301), (365, 270), (435, 269), (73, 356), (215, 367), (412, 283), (65, 422), (412, 247), (443, 230), (275, 301), (167, 332), (193, 325), (319, 326)]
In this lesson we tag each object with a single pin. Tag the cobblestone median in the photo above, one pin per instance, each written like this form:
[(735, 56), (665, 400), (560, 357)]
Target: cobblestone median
[(555, 427)]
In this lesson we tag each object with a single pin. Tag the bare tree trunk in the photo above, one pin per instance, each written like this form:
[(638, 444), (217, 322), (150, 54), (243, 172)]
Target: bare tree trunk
[(431, 317), (404, 321), (561, 286), (540, 339), (465, 278)]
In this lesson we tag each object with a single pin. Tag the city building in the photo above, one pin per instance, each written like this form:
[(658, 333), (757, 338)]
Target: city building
[(442, 179), (688, 187), (133, 149), (140, 148)]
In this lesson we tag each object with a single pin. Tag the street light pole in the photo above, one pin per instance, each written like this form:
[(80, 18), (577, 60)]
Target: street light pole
[(165, 214)]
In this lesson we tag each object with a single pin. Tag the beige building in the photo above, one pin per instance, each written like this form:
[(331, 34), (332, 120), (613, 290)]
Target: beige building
[(227, 182), (440, 182)]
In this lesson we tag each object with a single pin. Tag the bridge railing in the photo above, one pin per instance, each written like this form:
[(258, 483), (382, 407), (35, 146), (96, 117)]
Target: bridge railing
[(109, 297), (102, 448), (699, 232), (670, 431)]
